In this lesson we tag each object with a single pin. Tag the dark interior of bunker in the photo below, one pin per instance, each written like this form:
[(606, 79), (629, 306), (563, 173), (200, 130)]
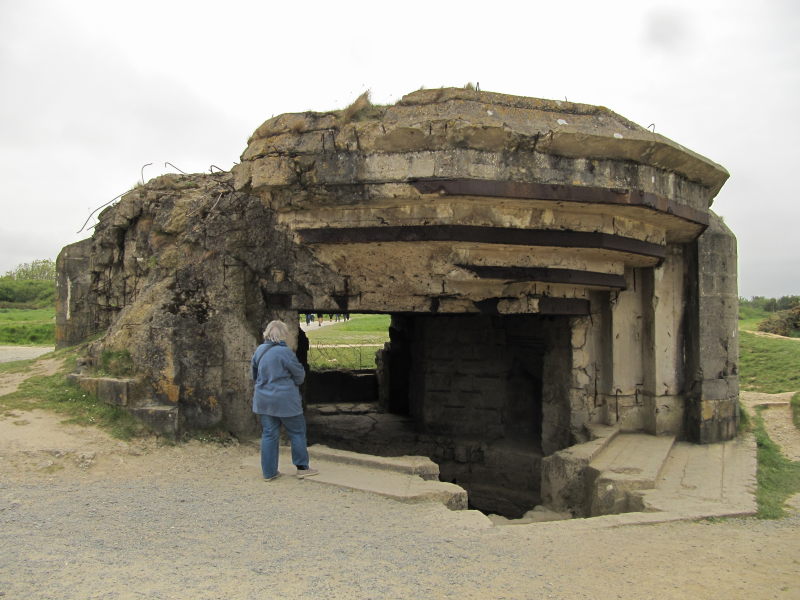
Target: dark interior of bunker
[(478, 394)]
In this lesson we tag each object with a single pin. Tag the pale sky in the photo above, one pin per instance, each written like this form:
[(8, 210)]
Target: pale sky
[(93, 90)]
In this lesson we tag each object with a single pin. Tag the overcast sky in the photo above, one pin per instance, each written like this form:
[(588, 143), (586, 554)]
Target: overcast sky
[(91, 91)]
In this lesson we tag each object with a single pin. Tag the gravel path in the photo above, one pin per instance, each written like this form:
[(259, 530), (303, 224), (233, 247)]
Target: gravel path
[(84, 517), (11, 353), (196, 522)]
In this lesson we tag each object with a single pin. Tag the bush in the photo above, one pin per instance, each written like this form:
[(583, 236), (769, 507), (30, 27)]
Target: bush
[(784, 322), (27, 292), (39, 270)]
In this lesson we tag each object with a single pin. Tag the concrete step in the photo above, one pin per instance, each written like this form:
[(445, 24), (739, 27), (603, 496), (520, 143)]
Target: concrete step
[(409, 465), (564, 473), (700, 481), (632, 462), (399, 478)]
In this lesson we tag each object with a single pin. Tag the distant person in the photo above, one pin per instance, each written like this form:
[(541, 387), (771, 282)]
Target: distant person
[(309, 318), (319, 319), (346, 316), (276, 400)]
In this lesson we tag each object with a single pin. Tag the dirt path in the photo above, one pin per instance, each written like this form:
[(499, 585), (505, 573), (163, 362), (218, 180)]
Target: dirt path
[(85, 516), (777, 419), (772, 335), (9, 382)]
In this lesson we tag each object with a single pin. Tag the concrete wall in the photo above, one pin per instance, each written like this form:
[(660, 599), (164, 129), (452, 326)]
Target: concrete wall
[(712, 345)]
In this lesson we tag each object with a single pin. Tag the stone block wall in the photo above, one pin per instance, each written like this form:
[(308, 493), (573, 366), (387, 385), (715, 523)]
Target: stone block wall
[(492, 377)]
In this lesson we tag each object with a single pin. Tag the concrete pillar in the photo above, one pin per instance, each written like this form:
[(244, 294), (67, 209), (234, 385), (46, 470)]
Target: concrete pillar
[(712, 347), (625, 394), (662, 348)]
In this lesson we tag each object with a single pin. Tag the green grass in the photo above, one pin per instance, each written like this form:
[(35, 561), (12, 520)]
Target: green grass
[(116, 363), (778, 477), (360, 329), (55, 393), (768, 364), (750, 317), (796, 410), (27, 327), (341, 359), (16, 366), (17, 315)]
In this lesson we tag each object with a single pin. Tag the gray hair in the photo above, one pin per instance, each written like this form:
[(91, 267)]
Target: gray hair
[(276, 331)]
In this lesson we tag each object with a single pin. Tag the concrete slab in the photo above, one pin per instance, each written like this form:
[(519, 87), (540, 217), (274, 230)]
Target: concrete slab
[(410, 465), (631, 462), (372, 474), (694, 481), (707, 480), (634, 457)]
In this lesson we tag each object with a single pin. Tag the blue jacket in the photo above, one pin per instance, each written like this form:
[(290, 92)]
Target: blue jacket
[(277, 374)]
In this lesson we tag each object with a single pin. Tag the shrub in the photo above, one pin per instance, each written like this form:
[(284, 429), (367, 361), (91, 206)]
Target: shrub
[(28, 292), (39, 270), (784, 322)]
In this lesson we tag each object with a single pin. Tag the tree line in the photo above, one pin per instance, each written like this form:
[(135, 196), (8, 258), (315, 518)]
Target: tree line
[(771, 304), (29, 285)]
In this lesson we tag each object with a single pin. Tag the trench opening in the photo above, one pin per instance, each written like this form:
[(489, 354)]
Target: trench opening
[(484, 396)]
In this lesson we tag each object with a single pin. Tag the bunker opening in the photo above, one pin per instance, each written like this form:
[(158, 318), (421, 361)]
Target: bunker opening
[(484, 396)]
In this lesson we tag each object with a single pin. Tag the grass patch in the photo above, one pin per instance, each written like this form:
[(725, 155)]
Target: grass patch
[(750, 317), (745, 423), (16, 366), (795, 403), (54, 392), (116, 363), (27, 327), (769, 365), (341, 359), (359, 330), (778, 477), (36, 315)]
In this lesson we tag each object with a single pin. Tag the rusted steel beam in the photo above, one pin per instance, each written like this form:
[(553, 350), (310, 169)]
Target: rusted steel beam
[(573, 307), (547, 275), (561, 193), (483, 235)]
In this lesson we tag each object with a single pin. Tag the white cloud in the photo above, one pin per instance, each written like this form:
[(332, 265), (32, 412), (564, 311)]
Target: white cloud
[(93, 90)]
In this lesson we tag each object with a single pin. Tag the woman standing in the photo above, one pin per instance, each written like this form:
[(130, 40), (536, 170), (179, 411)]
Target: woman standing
[(276, 400)]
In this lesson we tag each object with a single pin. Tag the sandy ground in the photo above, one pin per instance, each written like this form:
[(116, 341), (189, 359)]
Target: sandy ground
[(84, 516)]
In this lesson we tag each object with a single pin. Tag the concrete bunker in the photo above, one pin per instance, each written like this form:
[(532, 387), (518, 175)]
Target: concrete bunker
[(550, 267)]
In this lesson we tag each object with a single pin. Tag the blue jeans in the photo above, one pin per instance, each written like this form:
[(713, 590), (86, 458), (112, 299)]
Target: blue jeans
[(270, 438)]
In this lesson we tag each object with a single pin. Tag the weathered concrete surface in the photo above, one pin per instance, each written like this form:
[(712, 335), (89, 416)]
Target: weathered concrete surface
[(593, 233), (713, 347), (688, 482), (630, 463), (405, 479), (564, 475)]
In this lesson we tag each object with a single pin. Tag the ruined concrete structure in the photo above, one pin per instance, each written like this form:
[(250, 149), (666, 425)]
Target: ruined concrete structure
[(550, 268)]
